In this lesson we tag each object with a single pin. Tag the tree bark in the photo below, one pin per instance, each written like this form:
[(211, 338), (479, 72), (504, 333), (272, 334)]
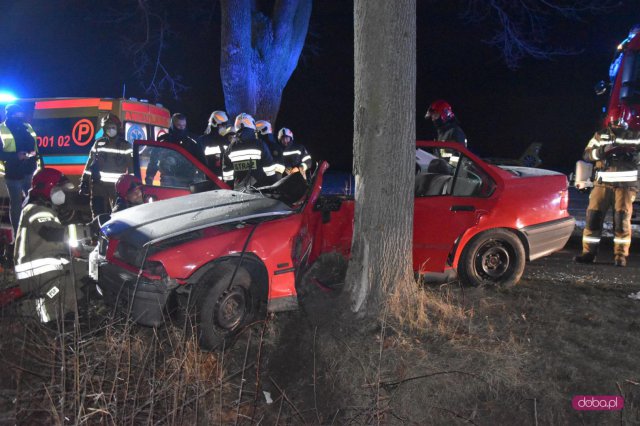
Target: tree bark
[(259, 54), (384, 153)]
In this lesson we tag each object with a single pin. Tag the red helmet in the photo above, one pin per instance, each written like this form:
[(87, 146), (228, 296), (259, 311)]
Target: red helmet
[(45, 179), (126, 183), (440, 109)]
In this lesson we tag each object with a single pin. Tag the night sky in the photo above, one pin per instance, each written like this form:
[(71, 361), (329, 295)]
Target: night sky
[(70, 48)]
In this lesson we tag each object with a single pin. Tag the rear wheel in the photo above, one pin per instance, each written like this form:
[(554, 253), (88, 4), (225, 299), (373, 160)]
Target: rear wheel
[(223, 307), (492, 258)]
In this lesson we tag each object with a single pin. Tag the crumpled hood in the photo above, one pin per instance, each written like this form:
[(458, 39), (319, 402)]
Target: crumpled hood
[(166, 218)]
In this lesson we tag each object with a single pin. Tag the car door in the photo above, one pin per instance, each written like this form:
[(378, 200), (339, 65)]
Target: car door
[(451, 196), (178, 172)]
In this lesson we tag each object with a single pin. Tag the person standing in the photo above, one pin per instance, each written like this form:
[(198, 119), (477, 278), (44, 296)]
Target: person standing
[(19, 157), (247, 161), (110, 157), (294, 157), (213, 142), (441, 115), (616, 162)]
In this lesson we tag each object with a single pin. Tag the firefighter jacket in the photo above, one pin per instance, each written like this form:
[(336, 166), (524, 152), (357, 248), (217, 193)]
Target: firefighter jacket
[(213, 145), (616, 159), (450, 131), (248, 162), (42, 261), (16, 137), (109, 158), (293, 155)]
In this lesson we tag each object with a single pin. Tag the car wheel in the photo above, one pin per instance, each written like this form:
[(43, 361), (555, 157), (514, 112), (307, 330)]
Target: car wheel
[(223, 307), (492, 258)]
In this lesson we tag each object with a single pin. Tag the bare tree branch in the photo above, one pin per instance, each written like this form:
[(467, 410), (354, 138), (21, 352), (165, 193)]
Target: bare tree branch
[(522, 26)]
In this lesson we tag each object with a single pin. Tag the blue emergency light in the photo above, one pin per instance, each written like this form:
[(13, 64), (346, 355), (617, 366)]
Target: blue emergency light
[(6, 97)]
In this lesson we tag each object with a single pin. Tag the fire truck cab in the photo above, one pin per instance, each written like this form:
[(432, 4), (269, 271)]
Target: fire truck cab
[(67, 127)]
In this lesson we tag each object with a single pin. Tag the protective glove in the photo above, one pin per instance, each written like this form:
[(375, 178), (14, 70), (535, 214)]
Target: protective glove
[(84, 188)]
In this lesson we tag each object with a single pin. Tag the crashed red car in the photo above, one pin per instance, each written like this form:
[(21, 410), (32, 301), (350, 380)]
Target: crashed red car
[(226, 252)]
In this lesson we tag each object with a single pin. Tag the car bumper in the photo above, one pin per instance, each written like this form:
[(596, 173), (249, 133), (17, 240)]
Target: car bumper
[(549, 237), (144, 299)]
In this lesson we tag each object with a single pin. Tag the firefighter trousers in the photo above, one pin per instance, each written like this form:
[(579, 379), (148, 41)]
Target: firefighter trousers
[(601, 199)]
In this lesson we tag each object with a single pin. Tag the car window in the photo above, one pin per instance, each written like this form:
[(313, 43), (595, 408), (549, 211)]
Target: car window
[(165, 167), (470, 180), (446, 171)]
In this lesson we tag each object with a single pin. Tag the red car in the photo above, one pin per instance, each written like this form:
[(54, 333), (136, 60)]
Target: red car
[(226, 252)]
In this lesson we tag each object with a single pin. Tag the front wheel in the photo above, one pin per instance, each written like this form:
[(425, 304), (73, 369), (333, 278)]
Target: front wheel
[(223, 307), (492, 258)]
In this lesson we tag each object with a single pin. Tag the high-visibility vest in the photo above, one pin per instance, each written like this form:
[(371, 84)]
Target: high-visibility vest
[(9, 142)]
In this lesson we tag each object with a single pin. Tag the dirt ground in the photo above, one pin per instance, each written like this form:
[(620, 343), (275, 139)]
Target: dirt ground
[(488, 357)]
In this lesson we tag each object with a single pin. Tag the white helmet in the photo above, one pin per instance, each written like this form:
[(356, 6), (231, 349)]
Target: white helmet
[(264, 127), (245, 120), (285, 132), (217, 118)]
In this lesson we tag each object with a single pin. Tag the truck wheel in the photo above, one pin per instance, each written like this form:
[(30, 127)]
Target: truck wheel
[(492, 258), (223, 309)]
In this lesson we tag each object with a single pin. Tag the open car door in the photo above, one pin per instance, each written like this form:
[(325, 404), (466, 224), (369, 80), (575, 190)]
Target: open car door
[(175, 171)]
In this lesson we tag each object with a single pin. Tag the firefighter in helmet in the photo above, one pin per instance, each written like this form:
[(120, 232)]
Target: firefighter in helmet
[(441, 115), (247, 161), (294, 157), (213, 143), (44, 268), (110, 157), (129, 192), (615, 154)]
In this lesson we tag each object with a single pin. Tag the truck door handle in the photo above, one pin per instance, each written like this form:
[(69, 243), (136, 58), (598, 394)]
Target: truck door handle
[(463, 208)]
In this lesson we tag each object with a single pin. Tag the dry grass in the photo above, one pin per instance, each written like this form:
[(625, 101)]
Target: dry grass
[(113, 374)]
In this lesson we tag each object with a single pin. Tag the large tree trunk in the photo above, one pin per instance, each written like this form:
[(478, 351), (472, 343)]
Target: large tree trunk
[(259, 53), (384, 153)]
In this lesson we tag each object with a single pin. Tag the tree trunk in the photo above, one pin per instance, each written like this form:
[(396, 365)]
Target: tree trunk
[(259, 53), (384, 153)]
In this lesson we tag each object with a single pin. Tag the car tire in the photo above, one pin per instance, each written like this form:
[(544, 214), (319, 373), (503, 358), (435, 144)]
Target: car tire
[(223, 309), (493, 258)]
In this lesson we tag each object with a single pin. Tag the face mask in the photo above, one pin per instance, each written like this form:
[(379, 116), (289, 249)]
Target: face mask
[(112, 132), (57, 196)]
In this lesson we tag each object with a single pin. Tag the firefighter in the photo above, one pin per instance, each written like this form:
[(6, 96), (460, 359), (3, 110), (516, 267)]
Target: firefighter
[(213, 143), (247, 161), (264, 132), (441, 115), (129, 191), (44, 268), (18, 155), (616, 161), (175, 170), (110, 156), (294, 158)]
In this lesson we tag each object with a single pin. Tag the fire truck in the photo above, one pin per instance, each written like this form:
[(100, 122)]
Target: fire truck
[(67, 127)]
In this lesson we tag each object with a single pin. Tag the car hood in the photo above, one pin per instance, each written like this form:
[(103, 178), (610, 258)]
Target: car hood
[(164, 219)]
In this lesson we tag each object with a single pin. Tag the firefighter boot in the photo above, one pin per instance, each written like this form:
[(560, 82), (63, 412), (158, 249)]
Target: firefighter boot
[(585, 257), (620, 261)]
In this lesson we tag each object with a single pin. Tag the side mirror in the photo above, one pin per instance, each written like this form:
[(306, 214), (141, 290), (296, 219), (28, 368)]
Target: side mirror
[(601, 88)]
